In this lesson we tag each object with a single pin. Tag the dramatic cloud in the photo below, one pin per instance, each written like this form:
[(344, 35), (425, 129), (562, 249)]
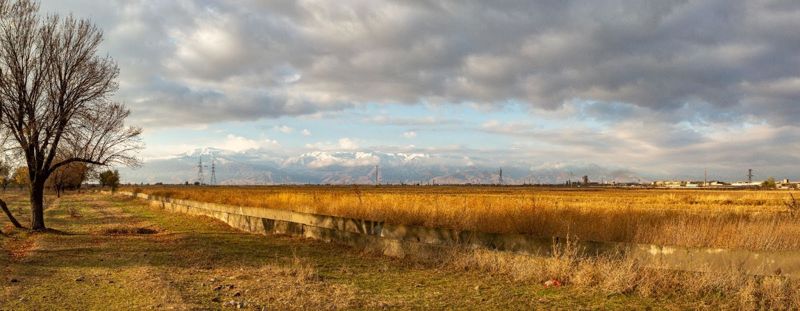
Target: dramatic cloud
[(246, 60), (654, 84)]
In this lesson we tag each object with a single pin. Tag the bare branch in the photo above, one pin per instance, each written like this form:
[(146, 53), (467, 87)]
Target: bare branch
[(55, 94)]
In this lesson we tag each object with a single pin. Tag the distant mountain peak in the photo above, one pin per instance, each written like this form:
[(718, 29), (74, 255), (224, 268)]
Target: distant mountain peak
[(345, 167)]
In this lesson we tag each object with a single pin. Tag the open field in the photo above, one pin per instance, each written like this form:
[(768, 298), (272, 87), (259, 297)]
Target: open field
[(99, 260), (736, 219), (116, 253)]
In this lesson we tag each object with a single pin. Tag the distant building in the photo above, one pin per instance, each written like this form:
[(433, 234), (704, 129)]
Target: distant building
[(746, 184), (716, 184), (786, 184), (690, 184), (693, 184), (669, 183)]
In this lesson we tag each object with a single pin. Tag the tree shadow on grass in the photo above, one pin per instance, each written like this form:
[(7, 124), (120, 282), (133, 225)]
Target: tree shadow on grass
[(52, 231), (178, 250)]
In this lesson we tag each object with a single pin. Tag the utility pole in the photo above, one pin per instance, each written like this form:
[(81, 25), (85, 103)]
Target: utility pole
[(213, 171), (200, 170), (705, 177)]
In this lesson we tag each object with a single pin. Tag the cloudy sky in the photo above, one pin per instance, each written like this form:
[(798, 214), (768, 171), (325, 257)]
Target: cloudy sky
[(658, 87)]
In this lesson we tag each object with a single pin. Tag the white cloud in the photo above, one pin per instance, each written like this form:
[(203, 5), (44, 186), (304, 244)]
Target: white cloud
[(162, 151), (284, 129), (347, 144), (323, 159), (305, 132), (229, 142), (410, 134), (343, 143), (239, 143)]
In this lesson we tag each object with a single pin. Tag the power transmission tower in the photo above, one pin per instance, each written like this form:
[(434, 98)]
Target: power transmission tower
[(200, 178), (501, 176), (213, 180), (377, 177), (750, 175)]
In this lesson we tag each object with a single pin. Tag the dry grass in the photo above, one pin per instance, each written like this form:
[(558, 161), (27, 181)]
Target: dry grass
[(746, 219), (196, 263), (126, 230), (618, 275)]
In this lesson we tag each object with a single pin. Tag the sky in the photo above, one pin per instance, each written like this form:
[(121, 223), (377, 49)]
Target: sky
[(663, 88)]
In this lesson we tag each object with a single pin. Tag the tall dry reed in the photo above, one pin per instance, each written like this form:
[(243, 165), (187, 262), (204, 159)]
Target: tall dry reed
[(746, 219)]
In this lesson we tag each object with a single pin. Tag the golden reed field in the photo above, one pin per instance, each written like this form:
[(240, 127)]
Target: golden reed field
[(745, 219)]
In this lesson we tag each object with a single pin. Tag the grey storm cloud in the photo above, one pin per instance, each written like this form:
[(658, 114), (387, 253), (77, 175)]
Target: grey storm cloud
[(715, 61)]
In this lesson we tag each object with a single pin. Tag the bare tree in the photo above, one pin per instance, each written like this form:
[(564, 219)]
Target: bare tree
[(55, 97)]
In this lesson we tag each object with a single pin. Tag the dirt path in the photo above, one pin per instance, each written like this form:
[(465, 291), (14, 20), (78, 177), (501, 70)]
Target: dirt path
[(104, 261)]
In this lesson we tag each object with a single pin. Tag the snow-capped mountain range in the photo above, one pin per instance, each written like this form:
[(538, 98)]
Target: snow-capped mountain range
[(355, 167)]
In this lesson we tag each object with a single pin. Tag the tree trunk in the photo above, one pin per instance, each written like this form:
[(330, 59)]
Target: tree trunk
[(10, 216), (37, 206)]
